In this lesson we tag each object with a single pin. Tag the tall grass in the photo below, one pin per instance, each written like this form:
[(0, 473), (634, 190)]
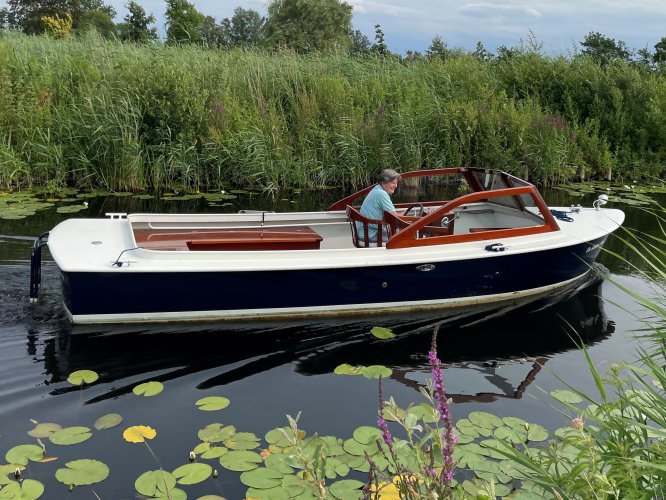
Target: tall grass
[(88, 111)]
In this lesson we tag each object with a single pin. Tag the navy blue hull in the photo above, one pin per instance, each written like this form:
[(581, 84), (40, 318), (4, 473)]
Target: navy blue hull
[(144, 293)]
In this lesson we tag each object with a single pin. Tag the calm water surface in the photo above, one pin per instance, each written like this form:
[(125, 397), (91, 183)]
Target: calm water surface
[(268, 370)]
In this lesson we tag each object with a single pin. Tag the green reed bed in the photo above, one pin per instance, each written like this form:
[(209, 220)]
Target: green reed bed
[(91, 112)]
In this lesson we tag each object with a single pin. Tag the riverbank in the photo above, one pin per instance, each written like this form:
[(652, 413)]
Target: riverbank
[(89, 112)]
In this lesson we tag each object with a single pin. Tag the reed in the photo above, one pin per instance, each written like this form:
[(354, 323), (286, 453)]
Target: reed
[(93, 112)]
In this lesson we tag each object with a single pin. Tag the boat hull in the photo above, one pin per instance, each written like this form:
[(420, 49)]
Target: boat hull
[(100, 297)]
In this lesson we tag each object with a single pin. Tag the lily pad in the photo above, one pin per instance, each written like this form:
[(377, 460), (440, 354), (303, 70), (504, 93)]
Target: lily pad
[(82, 472), (192, 473), (212, 403), (139, 433), (148, 389), (108, 421), (346, 369), (277, 437), (484, 419), (367, 434), (80, 377), (566, 396), (241, 460), (537, 433), (6, 470), (276, 493), (29, 489), (71, 209), (24, 453), (155, 482), (242, 441), (44, 430), (214, 452), (346, 489), (376, 371), (262, 478), (216, 433), (514, 435), (382, 333), (71, 435)]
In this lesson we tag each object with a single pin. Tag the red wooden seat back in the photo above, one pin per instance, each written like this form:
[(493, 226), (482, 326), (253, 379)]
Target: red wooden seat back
[(362, 240)]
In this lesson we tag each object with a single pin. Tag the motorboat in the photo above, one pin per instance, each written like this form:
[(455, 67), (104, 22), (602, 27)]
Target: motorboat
[(493, 240)]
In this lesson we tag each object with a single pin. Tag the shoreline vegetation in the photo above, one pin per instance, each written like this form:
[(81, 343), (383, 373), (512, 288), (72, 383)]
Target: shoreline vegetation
[(94, 113)]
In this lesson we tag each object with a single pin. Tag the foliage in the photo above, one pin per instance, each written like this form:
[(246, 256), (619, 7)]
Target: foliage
[(136, 26), (306, 25), (604, 49), (183, 22), (58, 27), (244, 29)]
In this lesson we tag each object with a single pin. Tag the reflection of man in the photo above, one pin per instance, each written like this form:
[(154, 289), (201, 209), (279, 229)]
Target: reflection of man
[(378, 201)]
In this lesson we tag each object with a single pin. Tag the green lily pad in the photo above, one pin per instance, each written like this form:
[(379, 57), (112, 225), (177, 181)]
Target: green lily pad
[(376, 371), (80, 377), (468, 455), (82, 472), (262, 478), (424, 412), (216, 433), (490, 447), (71, 435), (71, 209), (6, 470), (214, 452), (514, 435), (513, 421), (44, 430), (353, 447), (155, 482), (537, 433), (148, 389), (346, 369), (277, 437), (212, 403), (346, 489), (279, 463), (566, 396), (108, 421), (367, 434), (24, 453), (144, 196), (28, 489), (382, 333), (276, 493), (241, 460), (484, 419), (242, 441), (192, 473)]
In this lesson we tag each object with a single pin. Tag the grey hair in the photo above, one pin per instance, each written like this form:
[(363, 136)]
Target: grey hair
[(388, 175)]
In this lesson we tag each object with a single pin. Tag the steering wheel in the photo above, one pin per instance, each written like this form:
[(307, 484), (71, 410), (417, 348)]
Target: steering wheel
[(415, 206)]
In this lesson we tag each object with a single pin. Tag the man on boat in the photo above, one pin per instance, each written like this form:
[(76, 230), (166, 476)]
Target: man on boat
[(378, 201)]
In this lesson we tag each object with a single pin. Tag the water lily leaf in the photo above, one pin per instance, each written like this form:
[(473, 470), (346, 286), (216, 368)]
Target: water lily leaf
[(277, 437), (214, 497), (262, 478), (566, 396), (23, 453), (333, 446), (346, 369), (139, 433), (382, 333), (108, 421), (82, 472), (144, 196), (7, 469), (513, 435), (367, 434), (212, 403), (155, 482), (278, 463), (44, 430), (484, 419), (464, 426), (537, 433), (424, 412), (214, 452), (71, 435), (376, 371), (148, 389), (514, 469), (71, 209), (241, 460), (192, 473), (468, 455), (216, 433), (82, 376), (28, 489), (346, 489), (489, 448), (353, 447), (513, 421), (276, 493), (242, 441)]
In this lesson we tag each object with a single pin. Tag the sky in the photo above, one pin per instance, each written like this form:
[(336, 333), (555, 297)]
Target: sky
[(560, 25)]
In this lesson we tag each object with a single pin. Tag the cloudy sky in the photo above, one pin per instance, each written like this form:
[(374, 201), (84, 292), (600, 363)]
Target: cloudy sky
[(411, 24)]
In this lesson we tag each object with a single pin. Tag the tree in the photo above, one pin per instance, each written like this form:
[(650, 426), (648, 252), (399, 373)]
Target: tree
[(86, 14), (659, 55), (438, 48), (136, 26), (244, 29), (305, 25), (183, 22), (380, 45), (481, 53), (604, 49), (359, 43)]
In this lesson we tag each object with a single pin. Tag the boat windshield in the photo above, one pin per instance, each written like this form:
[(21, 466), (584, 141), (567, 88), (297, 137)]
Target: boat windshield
[(494, 180)]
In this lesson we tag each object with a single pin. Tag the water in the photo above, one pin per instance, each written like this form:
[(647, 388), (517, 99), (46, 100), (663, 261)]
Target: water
[(268, 370)]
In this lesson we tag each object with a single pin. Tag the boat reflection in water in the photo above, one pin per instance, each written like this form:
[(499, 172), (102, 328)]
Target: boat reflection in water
[(506, 348)]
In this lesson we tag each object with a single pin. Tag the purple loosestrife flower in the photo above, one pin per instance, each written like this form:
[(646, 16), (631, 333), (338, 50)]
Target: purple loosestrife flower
[(448, 439), (381, 421)]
